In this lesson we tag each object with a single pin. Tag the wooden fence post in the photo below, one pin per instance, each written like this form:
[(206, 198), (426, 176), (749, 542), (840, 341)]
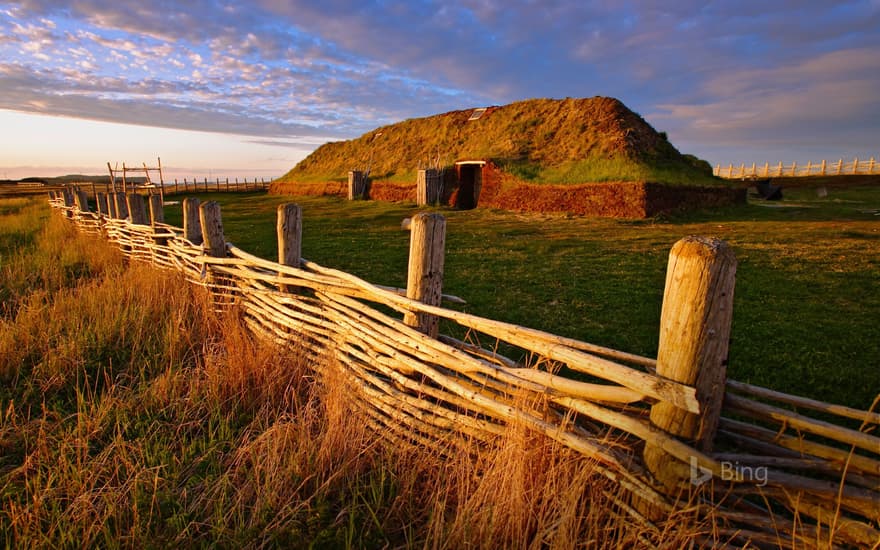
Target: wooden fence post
[(136, 209), (157, 210), (121, 206), (101, 203), (192, 225), (856, 165), (871, 166), (779, 170), (694, 337), (81, 198), (111, 204), (425, 273), (766, 169), (822, 173), (227, 185), (289, 231), (212, 229)]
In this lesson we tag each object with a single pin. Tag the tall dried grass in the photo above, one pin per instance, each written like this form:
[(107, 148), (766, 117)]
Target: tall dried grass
[(133, 416)]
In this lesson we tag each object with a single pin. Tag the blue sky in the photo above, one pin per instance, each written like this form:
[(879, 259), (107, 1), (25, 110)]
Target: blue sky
[(250, 88)]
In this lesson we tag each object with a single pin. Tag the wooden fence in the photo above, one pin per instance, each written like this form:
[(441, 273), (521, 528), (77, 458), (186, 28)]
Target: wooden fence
[(673, 432), (186, 185), (821, 168)]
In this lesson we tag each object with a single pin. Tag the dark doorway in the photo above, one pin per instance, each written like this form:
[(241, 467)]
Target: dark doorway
[(469, 180)]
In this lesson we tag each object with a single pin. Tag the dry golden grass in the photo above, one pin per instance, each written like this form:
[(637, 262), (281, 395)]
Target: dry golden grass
[(132, 416)]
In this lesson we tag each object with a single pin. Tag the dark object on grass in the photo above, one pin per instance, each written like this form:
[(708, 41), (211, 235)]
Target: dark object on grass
[(768, 191)]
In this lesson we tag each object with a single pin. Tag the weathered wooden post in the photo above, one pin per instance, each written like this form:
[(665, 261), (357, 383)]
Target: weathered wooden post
[(356, 185), (822, 171), (694, 336), (82, 200), (192, 225), (157, 210), (212, 229), (425, 272), (111, 204), (137, 209), (121, 206), (227, 185), (289, 230), (101, 203), (428, 187), (856, 165)]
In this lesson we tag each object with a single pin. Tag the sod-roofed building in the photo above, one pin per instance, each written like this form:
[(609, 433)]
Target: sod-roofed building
[(590, 156)]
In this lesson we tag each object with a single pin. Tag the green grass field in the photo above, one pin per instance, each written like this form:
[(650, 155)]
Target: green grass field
[(806, 309)]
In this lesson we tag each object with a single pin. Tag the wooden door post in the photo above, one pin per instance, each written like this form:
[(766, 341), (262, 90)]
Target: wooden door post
[(428, 187), (212, 229), (694, 336), (425, 273), (192, 225), (356, 185)]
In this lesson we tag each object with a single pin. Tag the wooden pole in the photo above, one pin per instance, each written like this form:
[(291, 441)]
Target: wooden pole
[(694, 336), (161, 180), (218, 185), (871, 166), (212, 229), (856, 165), (124, 184), (192, 225), (289, 231), (112, 178), (137, 209), (157, 210), (822, 173), (779, 170), (206, 185), (809, 167), (839, 166), (793, 169), (766, 169), (729, 171), (227, 185), (425, 272), (121, 206)]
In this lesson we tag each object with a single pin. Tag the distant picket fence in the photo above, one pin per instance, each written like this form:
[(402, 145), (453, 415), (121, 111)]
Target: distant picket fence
[(793, 170), (673, 432)]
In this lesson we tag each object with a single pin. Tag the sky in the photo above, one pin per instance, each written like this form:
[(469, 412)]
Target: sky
[(248, 88)]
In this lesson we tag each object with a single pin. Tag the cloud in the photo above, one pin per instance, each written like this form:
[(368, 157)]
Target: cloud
[(737, 72)]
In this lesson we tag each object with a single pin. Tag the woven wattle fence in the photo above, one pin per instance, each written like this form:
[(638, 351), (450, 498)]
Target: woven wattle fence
[(772, 468)]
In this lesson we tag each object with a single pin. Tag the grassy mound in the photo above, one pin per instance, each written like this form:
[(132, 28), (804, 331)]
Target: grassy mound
[(539, 140)]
